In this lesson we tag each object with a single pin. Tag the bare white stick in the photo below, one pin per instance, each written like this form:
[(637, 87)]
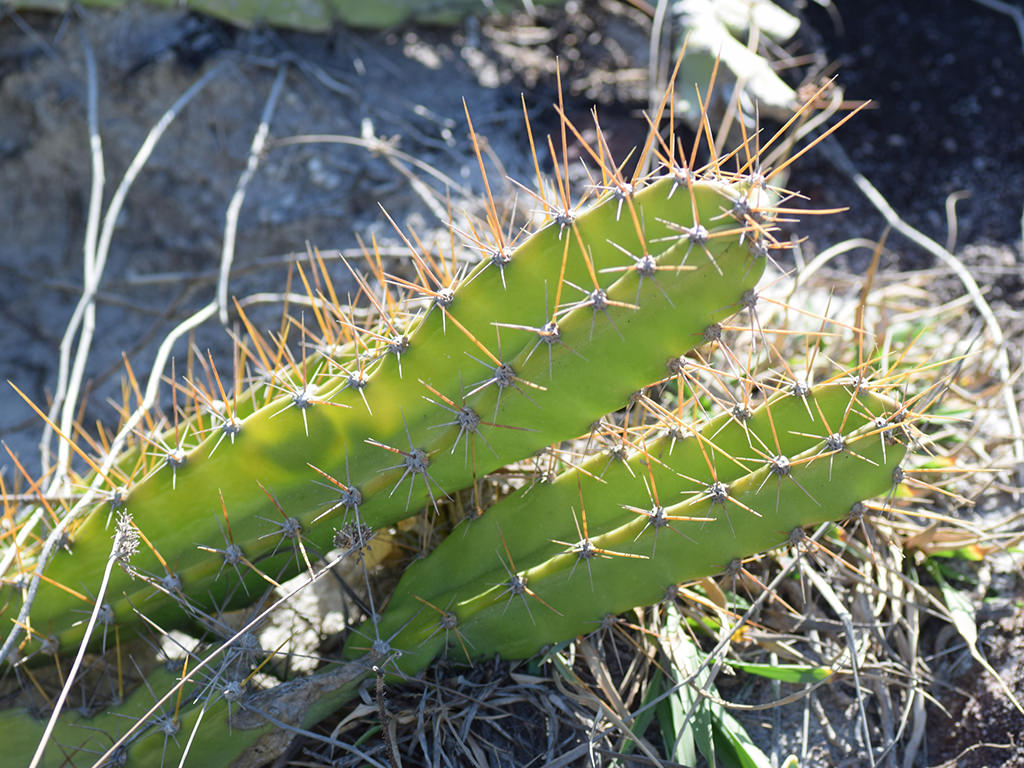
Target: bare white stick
[(115, 555), (65, 400), (82, 505), (96, 250), (259, 142), (92, 227)]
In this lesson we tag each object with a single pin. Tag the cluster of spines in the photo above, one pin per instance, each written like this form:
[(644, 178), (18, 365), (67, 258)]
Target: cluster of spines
[(601, 275), (617, 506), (397, 444), (527, 589)]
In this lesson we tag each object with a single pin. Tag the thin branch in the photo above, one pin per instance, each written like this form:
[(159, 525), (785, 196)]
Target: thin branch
[(259, 142), (65, 400)]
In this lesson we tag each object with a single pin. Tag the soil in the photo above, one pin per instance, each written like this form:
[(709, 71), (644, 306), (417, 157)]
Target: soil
[(984, 729), (945, 79)]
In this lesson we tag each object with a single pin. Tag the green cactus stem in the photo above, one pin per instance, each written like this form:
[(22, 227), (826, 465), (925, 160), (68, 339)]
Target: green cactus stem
[(508, 349), (569, 593), (816, 486), (318, 16), (528, 525)]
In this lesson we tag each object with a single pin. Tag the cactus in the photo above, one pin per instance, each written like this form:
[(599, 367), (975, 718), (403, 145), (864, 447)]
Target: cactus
[(391, 414), (462, 372), (632, 562), (725, 505), (314, 16)]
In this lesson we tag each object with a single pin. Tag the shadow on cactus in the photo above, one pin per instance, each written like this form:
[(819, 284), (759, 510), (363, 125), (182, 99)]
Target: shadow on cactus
[(570, 376)]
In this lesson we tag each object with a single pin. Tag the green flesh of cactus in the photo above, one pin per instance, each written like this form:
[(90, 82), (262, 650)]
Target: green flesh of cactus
[(539, 528), (531, 347), (529, 525), (570, 595), (581, 592), (555, 395), (313, 15)]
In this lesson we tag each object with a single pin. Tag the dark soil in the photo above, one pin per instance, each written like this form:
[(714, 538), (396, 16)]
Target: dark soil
[(945, 81), (984, 729)]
